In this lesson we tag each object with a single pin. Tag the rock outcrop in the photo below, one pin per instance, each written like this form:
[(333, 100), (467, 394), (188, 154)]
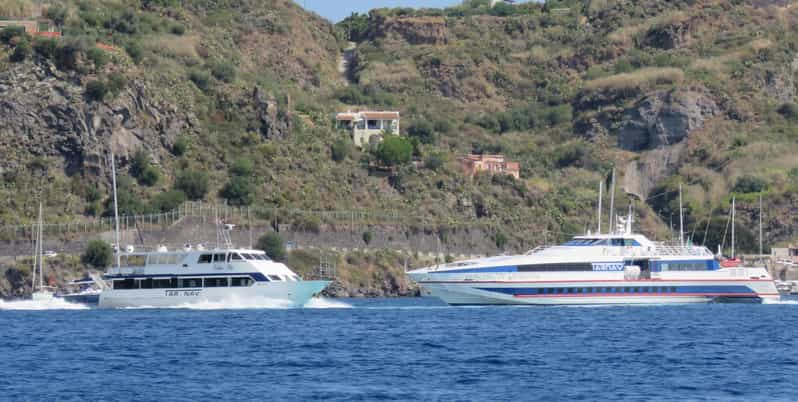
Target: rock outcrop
[(415, 30), (664, 118), (46, 113)]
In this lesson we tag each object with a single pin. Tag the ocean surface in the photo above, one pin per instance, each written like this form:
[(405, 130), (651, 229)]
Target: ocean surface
[(400, 349)]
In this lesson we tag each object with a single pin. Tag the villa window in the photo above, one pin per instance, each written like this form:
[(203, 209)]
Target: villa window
[(373, 124)]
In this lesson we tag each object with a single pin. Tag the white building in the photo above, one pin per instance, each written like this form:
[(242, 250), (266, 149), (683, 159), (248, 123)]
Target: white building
[(367, 127)]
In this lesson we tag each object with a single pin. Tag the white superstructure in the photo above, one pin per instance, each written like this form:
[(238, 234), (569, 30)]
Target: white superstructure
[(620, 268), (173, 278)]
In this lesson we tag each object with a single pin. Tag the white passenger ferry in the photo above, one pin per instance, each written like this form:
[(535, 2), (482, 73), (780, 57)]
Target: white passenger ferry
[(618, 268), (165, 278)]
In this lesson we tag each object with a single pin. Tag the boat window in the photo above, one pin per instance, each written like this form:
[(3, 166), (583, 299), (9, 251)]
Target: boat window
[(567, 267), (262, 257), (216, 282), (241, 281), (162, 283), (218, 258), (125, 284), (236, 257), (189, 282), (145, 283), (274, 278), (248, 256), (204, 259)]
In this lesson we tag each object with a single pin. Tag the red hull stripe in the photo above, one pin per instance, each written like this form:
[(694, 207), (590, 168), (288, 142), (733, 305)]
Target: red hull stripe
[(646, 295), (607, 281)]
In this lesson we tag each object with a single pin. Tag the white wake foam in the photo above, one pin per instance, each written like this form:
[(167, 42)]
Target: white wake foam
[(56, 303), (782, 301), (236, 303), (323, 302)]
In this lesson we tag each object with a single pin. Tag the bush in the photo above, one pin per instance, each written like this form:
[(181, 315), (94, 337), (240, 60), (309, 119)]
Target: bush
[(193, 183), (45, 47), (201, 79), (6, 34), (273, 245), (367, 237), (341, 149), (243, 167), (224, 71), (97, 56), (22, 50), (443, 126), (394, 150), (135, 51), (239, 191), (98, 254), (501, 240), (96, 90), (750, 184), (180, 146), (57, 13), (177, 29), (422, 130), (167, 201), (116, 83), (149, 176), (789, 110), (434, 161), (139, 162)]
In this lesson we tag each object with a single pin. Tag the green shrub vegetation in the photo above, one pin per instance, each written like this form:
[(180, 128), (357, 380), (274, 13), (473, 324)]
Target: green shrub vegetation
[(394, 150), (193, 183), (273, 245), (98, 254)]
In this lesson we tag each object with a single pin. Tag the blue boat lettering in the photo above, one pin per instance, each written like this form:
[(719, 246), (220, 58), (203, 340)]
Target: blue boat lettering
[(607, 266), (170, 293)]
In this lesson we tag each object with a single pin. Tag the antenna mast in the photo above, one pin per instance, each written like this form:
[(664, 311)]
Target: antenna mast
[(601, 191), (41, 248), (681, 218), (116, 211), (760, 224)]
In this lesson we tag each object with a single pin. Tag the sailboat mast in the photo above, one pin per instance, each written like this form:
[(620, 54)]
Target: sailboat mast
[(116, 211), (681, 218), (732, 228), (760, 225), (612, 202), (601, 195), (41, 248), (35, 239)]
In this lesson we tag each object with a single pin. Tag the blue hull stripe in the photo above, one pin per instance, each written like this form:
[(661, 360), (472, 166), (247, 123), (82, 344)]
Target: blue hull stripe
[(625, 290), (257, 276)]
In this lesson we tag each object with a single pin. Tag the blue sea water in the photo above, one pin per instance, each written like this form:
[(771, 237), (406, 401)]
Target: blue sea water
[(402, 349)]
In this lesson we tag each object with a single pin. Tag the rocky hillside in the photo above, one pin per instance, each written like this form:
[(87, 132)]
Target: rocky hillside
[(233, 100)]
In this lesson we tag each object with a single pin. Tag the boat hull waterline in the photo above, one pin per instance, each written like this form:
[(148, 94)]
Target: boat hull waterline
[(273, 294)]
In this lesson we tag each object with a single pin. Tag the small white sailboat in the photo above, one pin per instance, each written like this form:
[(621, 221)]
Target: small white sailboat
[(39, 292)]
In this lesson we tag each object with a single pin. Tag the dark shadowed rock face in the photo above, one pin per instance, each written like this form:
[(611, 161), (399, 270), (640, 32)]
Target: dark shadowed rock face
[(45, 113), (664, 118), (415, 30)]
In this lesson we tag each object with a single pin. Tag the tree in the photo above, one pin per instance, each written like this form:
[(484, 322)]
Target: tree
[(22, 50), (239, 191), (193, 183), (273, 245), (149, 176), (201, 79), (434, 161), (394, 150), (422, 130), (180, 146), (242, 166), (167, 201), (98, 254), (224, 71), (750, 184), (341, 149), (96, 90)]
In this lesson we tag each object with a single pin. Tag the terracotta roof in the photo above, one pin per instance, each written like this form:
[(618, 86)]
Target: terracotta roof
[(345, 116), (380, 115)]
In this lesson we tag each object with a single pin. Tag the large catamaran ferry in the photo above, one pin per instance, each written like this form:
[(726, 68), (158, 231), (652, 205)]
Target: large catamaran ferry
[(615, 268)]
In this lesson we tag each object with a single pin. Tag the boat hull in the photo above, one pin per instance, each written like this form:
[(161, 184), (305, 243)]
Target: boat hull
[(271, 294), (601, 293)]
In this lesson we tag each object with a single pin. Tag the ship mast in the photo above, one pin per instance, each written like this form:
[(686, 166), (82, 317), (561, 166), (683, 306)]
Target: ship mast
[(41, 249), (681, 218), (732, 229), (116, 212), (612, 201)]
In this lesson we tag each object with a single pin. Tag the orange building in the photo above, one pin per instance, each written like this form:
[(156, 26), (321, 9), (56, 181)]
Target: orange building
[(495, 164)]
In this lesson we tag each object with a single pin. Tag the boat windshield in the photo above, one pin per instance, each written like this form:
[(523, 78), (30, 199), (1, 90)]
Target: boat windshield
[(602, 242)]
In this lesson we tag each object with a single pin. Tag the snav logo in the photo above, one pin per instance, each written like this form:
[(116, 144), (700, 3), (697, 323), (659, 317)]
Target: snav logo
[(608, 266)]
